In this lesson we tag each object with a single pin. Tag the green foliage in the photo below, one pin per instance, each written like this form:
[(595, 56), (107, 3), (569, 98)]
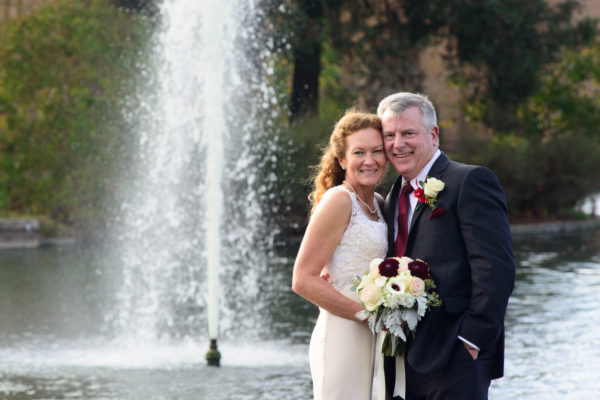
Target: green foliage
[(542, 179), (368, 49), (307, 139), (551, 160), (65, 76), (335, 96), (568, 101), (51, 228), (547, 152), (528, 71), (497, 49), (377, 44)]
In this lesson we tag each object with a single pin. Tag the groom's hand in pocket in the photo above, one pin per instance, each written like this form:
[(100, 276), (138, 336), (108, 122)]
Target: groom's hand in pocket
[(472, 351)]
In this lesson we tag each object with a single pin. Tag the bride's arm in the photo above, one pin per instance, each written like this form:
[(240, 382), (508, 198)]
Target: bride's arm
[(324, 231)]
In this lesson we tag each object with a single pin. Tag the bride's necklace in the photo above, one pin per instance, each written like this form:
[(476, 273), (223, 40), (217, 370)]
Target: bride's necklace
[(371, 210)]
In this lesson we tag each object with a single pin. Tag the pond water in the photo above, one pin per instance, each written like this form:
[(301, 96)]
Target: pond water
[(57, 336)]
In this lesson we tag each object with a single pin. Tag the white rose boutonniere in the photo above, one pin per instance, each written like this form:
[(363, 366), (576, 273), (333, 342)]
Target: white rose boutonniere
[(427, 193), (432, 187)]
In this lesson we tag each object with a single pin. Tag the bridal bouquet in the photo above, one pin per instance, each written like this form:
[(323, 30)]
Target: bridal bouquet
[(396, 292)]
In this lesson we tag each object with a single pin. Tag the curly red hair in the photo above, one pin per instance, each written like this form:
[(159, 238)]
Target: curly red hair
[(329, 173)]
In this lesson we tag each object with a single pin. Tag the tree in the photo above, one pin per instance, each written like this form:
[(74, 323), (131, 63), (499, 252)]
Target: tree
[(497, 50), (508, 59), (304, 100), (567, 103), (66, 72), (372, 42)]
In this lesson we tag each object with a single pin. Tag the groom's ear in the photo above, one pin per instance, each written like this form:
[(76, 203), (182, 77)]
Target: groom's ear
[(435, 135)]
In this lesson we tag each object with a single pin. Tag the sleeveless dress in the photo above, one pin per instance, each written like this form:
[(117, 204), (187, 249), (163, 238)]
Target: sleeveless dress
[(342, 352)]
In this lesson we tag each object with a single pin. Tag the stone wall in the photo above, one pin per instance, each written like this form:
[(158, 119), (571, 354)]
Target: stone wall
[(19, 233)]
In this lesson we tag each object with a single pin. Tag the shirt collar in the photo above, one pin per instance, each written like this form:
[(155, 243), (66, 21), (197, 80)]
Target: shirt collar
[(422, 176)]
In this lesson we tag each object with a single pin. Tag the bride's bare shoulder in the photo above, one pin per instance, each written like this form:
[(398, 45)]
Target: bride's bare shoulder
[(335, 199)]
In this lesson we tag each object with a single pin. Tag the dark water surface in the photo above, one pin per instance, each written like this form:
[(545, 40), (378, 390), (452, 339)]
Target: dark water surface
[(57, 336)]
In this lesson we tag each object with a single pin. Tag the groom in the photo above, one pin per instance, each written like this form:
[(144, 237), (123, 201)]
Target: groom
[(464, 236)]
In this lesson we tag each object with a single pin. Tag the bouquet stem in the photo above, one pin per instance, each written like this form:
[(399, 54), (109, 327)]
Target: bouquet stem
[(392, 347)]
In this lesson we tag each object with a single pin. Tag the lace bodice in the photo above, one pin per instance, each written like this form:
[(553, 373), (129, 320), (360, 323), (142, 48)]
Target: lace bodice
[(362, 241)]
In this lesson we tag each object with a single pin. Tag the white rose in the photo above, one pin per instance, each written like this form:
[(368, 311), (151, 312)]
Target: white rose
[(433, 187), (371, 296), (404, 261), (416, 286)]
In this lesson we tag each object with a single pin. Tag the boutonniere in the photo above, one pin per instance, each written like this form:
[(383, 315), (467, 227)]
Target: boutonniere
[(427, 194)]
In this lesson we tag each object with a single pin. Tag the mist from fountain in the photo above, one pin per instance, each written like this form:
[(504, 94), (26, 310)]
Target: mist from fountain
[(194, 236)]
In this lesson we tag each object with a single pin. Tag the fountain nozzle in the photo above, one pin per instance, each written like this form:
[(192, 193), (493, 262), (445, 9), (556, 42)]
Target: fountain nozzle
[(213, 356)]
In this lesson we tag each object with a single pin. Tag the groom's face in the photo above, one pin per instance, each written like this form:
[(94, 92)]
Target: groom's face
[(408, 146)]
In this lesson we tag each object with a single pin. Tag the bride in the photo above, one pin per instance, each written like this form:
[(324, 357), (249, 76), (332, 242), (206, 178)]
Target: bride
[(346, 231)]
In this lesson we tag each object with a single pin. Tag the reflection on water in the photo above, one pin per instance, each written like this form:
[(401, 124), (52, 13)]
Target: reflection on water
[(553, 327), (54, 293), (56, 341)]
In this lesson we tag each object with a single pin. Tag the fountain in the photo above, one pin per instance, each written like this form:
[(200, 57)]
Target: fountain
[(204, 141), (131, 321)]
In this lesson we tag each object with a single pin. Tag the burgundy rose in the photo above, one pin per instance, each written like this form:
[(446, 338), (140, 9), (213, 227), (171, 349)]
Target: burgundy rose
[(419, 269), (389, 267), (436, 212)]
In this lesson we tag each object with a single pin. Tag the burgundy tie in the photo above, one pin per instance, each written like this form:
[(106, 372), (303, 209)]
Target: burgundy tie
[(403, 204)]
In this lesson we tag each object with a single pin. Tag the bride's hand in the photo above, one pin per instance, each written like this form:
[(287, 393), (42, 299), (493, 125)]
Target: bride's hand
[(324, 274), (362, 316)]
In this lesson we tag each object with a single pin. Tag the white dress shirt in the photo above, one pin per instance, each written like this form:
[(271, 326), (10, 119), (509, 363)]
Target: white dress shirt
[(422, 176)]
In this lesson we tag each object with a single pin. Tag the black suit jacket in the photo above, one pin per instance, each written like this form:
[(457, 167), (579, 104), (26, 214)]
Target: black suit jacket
[(469, 252)]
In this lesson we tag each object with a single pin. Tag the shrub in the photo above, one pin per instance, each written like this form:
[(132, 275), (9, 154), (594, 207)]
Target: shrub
[(65, 75), (544, 179)]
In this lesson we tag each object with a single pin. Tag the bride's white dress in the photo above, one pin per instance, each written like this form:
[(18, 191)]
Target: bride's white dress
[(342, 352)]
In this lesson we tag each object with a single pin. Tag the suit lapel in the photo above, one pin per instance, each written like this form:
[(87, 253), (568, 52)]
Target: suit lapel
[(435, 172)]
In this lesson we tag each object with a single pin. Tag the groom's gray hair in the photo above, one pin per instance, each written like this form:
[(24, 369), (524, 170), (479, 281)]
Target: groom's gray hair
[(399, 102)]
